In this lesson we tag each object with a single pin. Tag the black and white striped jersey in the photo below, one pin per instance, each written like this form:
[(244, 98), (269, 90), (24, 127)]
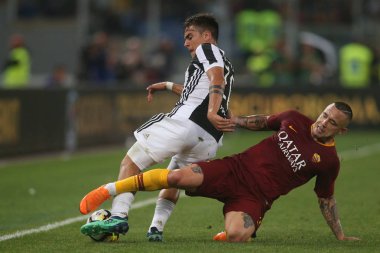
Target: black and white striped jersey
[(193, 103)]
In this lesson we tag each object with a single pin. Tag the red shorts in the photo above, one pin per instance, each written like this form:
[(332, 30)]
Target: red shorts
[(224, 182)]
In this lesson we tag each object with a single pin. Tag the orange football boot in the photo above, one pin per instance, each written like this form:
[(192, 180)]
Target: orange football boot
[(222, 236), (93, 200)]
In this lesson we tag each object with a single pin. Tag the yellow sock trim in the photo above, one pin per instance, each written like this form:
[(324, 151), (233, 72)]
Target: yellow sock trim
[(148, 181)]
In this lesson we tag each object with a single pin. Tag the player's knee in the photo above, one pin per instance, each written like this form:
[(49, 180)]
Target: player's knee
[(171, 194), (128, 168), (237, 235), (174, 178)]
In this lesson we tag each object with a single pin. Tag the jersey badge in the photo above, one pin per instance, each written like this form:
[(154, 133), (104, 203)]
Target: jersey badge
[(316, 158)]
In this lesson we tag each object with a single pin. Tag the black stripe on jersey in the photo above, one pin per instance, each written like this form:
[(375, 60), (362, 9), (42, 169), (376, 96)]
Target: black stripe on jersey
[(229, 77), (156, 118), (209, 53), (195, 73)]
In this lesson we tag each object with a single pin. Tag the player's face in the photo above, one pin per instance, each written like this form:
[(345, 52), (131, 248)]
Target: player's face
[(194, 37), (330, 123)]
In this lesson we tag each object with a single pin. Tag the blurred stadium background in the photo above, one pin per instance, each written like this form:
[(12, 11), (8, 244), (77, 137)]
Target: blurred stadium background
[(92, 59)]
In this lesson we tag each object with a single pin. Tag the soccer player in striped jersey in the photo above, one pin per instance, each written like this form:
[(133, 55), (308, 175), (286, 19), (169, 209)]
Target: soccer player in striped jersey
[(191, 132), (249, 182)]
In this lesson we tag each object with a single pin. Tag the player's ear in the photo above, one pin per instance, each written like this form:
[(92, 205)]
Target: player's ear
[(343, 130), (206, 35)]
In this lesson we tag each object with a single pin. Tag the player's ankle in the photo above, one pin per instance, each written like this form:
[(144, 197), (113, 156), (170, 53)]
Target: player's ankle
[(111, 188), (120, 215)]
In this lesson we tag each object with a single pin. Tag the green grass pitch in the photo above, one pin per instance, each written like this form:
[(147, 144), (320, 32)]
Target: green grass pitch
[(41, 191)]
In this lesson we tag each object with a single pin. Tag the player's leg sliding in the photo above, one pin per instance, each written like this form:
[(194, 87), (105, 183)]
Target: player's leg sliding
[(148, 181)]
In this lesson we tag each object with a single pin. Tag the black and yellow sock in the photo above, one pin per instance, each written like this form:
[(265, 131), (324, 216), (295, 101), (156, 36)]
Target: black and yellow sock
[(148, 181)]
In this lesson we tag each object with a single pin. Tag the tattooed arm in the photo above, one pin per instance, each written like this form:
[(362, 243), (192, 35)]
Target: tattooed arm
[(216, 91), (252, 122), (330, 213)]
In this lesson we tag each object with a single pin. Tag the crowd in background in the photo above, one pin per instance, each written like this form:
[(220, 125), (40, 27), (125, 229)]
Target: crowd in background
[(114, 61), (314, 61), (116, 52)]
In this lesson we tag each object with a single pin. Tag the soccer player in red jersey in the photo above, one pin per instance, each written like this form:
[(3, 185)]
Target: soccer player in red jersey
[(248, 183)]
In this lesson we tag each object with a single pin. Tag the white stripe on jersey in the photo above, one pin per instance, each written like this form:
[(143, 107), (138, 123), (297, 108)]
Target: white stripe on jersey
[(196, 86), (213, 59)]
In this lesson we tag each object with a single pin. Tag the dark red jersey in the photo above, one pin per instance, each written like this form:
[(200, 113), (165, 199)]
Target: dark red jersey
[(289, 158)]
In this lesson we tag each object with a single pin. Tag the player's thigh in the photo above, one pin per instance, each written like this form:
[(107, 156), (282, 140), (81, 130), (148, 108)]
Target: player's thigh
[(239, 226), (136, 159), (202, 146)]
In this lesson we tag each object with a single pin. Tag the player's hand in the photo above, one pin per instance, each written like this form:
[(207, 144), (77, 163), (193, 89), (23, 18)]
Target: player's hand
[(153, 88), (220, 123), (230, 115), (234, 119)]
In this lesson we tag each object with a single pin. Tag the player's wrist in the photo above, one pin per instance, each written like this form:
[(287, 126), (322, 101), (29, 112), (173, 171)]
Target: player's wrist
[(240, 121), (169, 85)]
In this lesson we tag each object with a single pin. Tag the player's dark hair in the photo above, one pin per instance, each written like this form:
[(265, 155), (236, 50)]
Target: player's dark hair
[(204, 21), (345, 108)]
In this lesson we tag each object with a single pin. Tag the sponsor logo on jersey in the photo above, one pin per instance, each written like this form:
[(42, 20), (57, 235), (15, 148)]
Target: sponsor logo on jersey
[(290, 151)]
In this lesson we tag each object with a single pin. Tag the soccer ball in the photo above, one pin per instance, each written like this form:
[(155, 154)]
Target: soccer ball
[(102, 214)]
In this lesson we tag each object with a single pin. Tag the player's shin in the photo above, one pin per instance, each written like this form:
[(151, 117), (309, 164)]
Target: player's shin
[(162, 212), (148, 181), (122, 203)]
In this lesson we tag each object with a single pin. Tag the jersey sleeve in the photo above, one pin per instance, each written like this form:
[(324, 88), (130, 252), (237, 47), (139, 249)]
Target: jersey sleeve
[(209, 56), (324, 184), (274, 121)]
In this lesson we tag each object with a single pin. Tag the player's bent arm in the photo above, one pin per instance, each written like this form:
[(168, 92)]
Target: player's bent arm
[(216, 93), (173, 87), (252, 122), (216, 89), (330, 213)]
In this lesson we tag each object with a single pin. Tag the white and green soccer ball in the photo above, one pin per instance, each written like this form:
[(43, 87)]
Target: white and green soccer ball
[(102, 214)]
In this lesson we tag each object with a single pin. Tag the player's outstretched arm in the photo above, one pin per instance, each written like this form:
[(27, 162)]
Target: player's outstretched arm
[(330, 213), (173, 87), (252, 122)]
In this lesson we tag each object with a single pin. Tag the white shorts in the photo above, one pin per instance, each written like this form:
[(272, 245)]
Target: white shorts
[(183, 140)]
